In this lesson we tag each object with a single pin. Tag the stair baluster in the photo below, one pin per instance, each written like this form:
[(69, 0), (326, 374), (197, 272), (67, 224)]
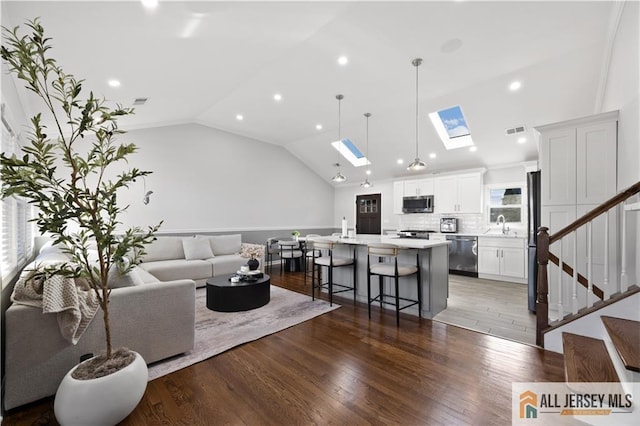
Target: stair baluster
[(593, 291), (560, 286), (574, 281)]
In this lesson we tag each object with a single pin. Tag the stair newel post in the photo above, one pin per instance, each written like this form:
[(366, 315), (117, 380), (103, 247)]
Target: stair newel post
[(542, 297)]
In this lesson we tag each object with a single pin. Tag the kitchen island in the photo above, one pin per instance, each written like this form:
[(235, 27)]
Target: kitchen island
[(434, 270)]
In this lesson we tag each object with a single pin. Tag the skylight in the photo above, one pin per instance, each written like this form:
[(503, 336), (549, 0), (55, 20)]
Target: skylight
[(351, 152), (452, 127)]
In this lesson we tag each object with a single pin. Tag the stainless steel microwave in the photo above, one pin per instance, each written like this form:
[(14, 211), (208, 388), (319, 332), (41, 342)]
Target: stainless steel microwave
[(418, 204)]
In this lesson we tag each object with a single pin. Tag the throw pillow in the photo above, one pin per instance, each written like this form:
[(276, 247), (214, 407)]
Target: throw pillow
[(196, 249), (129, 279)]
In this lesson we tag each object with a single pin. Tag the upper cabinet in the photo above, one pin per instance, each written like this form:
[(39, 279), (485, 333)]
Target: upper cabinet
[(458, 193), (578, 160), (418, 187)]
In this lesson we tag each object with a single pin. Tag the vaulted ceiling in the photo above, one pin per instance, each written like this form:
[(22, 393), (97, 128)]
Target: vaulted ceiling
[(206, 62)]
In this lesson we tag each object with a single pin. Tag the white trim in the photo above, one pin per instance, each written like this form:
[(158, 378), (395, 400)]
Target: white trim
[(523, 200), (163, 231), (614, 24)]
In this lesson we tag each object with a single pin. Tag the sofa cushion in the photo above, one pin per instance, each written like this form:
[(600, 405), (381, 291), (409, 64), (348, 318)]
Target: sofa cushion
[(164, 248), (145, 276), (196, 248), (227, 264), (177, 269), (129, 279), (226, 244)]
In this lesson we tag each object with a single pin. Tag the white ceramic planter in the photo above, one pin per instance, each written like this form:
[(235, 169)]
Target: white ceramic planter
[(103, 401)]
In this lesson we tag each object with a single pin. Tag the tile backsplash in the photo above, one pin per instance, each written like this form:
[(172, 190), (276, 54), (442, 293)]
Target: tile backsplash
[(469, 223), (430, 221)]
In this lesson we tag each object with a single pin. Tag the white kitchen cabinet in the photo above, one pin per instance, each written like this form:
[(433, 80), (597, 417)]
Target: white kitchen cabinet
[(418, 187), (578, 165), (398, 193), (470, 193), (578, 160), (502, 258), (458, 193)]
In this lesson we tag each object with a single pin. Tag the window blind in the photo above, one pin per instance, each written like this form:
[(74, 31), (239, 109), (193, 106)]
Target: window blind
[(17, 232)]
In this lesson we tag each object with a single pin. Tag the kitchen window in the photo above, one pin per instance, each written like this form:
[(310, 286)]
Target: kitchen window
[(506, 200)]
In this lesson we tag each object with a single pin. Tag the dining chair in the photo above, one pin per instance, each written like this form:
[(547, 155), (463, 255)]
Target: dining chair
[(289, 250), (327, 258), (309, 254), (271, 248), (387, 266)]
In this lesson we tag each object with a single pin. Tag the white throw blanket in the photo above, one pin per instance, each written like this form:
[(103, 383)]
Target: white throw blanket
[(74, 303)]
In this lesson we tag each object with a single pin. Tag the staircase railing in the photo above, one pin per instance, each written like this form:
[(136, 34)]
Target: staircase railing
[(544, 256)]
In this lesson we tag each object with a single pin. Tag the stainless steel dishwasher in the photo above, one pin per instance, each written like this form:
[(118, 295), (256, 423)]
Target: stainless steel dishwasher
[(463, 255)]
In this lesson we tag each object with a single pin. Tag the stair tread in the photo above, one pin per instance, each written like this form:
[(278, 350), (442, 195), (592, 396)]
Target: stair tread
[(587, 360), (625, 335)]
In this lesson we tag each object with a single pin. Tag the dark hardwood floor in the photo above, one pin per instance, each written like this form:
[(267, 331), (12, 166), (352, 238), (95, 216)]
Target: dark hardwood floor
[(343, 368)]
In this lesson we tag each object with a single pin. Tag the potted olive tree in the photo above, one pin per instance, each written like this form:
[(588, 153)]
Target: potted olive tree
[(67, 172)]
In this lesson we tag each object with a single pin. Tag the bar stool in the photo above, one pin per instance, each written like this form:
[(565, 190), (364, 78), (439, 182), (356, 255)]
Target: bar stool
[(388, 266), (326, 248), (289, 249)]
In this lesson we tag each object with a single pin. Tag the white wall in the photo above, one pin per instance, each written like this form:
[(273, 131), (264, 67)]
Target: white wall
[(209, 180), (622, 92)]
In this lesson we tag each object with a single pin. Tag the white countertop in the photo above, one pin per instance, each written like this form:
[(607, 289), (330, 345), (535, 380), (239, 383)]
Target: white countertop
[(511, 234), (387, 239)]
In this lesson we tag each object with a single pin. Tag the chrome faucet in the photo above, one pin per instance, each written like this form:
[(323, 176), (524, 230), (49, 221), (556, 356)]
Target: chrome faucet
[(504, 222)]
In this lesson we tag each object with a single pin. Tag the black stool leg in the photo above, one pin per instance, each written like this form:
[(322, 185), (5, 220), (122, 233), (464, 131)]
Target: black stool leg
[(381, 293), (355, 287), (419, 293), (397, 304), (313, 281), (330, 286), (369, 287)]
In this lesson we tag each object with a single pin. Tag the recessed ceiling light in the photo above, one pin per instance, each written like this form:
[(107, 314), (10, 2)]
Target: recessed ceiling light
[(343, 60), (277, 97), (432, 155), (514, 86), (239, 117), (400, 161), (522, 140), (473, 148), (149, 4), (318, 126), (114, 83)]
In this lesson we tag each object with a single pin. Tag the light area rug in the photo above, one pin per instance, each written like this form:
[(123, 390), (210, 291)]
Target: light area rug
[(217, 332)]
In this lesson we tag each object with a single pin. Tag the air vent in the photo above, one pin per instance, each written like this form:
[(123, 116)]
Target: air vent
[(515, 130), (140, 101)]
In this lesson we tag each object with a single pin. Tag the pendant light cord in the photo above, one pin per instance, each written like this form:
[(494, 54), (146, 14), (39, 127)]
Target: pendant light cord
[(339, 98), (417, 65)]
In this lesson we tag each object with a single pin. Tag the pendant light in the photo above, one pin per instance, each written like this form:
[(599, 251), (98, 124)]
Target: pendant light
[(339, 177), (366, 183), (417, 164)]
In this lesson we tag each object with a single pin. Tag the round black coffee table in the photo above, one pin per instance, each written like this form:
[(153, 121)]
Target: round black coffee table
[(225, 296)]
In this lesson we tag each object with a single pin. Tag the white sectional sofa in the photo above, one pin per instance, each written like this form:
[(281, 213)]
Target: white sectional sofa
[(197, 258), (153, 314), (154, 318)]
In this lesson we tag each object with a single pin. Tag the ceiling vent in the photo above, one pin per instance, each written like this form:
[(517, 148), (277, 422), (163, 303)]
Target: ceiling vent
[(515, 130), (140, 101)]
